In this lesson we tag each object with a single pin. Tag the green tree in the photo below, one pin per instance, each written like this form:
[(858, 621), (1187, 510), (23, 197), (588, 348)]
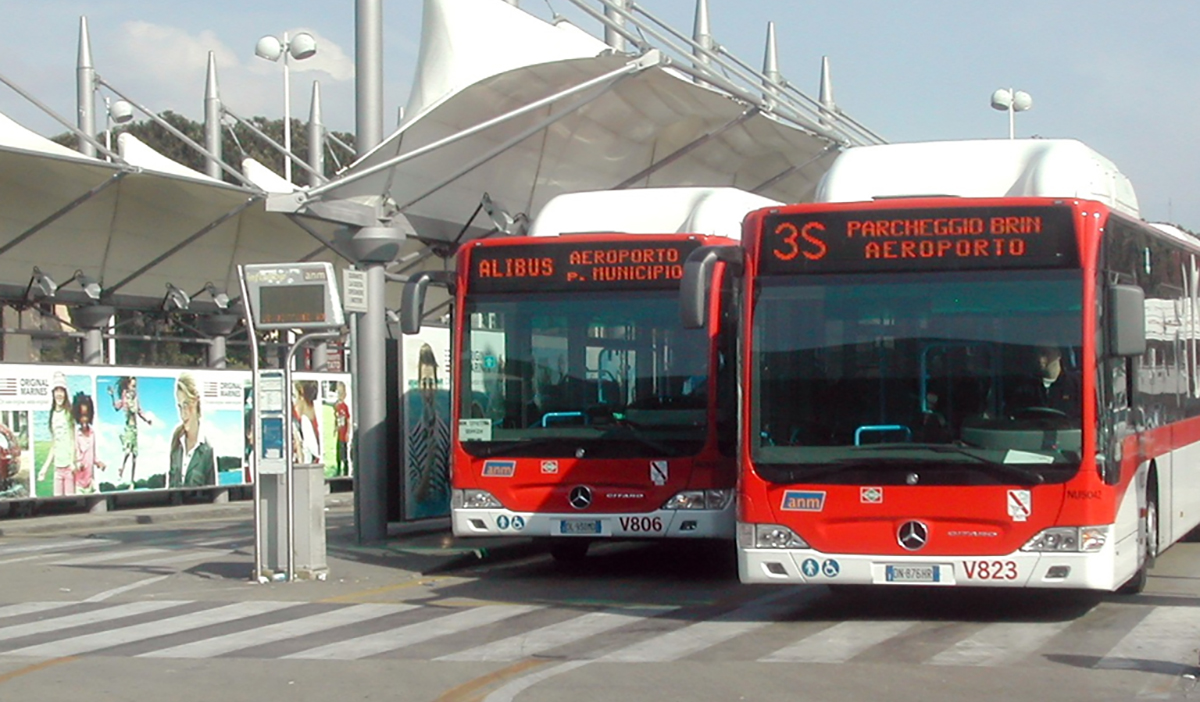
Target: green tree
[(237, 143)]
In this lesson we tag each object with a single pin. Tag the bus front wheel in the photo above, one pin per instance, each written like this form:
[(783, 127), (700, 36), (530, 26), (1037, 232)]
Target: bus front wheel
[(1149, 526)]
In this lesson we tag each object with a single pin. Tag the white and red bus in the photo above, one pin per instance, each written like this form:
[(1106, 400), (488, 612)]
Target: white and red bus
[(971, 390), (582, 408)]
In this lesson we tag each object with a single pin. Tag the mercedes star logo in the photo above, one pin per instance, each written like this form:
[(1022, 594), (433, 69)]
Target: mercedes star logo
[(913, 535), (581, 497)]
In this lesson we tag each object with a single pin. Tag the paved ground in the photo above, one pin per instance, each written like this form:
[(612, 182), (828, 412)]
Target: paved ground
[(422, 548)]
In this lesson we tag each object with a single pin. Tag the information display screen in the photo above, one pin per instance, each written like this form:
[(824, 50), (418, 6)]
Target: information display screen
[(301, 296), (559, 265), (968, 238), (293, 304)]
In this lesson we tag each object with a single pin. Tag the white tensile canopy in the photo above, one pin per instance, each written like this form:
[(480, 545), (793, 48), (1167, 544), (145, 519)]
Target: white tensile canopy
[(586, 119)]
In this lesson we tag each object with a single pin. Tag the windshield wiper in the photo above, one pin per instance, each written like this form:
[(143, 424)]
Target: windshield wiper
[(1021, 473), (492, 448), (628, 431)]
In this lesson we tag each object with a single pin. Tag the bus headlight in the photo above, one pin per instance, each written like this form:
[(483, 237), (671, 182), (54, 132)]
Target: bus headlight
[(699, 499), (474, 499), (768, 536), (1069, 539)]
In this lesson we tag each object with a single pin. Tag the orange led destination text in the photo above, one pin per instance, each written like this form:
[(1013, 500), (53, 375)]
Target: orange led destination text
[(931, 237), (515, 268), (609, 265)]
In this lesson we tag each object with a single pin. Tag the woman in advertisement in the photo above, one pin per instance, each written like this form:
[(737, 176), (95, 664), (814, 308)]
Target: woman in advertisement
[(128, 403), (62, 439), (193, 461), (306, 439)]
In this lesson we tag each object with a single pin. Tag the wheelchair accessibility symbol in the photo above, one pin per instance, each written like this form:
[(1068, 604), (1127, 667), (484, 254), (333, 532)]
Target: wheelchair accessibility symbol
[(830, 568), (518, 523)]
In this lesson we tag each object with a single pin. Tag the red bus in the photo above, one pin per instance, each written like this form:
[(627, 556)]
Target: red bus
[(964, 391), (582, 409)]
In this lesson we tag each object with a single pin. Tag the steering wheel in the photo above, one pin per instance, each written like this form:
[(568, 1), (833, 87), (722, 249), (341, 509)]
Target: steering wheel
[(1038, 412)]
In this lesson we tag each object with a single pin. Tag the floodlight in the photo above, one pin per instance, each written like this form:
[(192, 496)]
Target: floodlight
[(269, 48), (43, 283), (220, 299), (302, 46), (120, 112), (90, 287), (175, 299)]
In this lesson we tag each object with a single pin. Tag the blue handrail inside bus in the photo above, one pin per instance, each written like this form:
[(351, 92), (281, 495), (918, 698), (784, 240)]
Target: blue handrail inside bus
[(560, 416), (880, 428)]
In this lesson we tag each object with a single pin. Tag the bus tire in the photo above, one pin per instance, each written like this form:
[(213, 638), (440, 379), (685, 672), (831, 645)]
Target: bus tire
[(569, 550), (1137, 583)]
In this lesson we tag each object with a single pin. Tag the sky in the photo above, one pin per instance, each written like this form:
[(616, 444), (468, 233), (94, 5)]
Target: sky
[(1120, 79)]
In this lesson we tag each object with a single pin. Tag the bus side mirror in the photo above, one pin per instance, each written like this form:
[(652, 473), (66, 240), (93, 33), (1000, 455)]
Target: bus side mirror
[(1126, 320), (697, 279), (412, 299)]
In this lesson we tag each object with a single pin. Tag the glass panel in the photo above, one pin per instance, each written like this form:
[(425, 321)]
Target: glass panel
[(612, 374), (922, 369)]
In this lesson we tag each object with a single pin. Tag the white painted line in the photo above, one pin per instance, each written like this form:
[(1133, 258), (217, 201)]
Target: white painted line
[(1166, 635), (420, 632), (547, 638), (509, 692), (17, 610), (237, 641), (101, 596), (838, 643), (999, 643), (109, 556), (84, 618), (55, 545), (679, 643), (140, 632)]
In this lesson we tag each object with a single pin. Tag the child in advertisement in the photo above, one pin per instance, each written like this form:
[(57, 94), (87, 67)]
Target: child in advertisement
[(62, 439), (83, 411)]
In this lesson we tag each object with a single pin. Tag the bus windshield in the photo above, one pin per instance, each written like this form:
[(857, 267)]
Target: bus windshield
[(970, 377), (601, 374)]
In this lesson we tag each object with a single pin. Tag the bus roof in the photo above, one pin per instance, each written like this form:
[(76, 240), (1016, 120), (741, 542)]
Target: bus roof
[(978, 168), (713, 211)]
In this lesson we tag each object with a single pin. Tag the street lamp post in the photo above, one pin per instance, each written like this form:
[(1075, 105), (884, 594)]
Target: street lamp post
[(299, 47), (119, 112), (1013, 101)]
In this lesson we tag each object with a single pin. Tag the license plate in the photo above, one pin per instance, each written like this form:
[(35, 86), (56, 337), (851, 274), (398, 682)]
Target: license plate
[(912, 574), (579, 526)]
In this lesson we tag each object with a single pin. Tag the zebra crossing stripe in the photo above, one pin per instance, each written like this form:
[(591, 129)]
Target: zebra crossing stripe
[(1165, 636), (547, 638), (676, 644), (109, 556), (139, 632), (62, 545), (282, 631), (17, 610), (838, 643), (181, 557), (392, 639), (84, 618), (999, 643)]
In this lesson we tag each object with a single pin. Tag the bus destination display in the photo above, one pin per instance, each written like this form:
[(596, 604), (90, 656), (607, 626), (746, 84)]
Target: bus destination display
[(919, 239), (561, 265)]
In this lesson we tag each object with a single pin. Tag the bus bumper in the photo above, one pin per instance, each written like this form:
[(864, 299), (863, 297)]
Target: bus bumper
[(1076, 571), (659, 524)]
